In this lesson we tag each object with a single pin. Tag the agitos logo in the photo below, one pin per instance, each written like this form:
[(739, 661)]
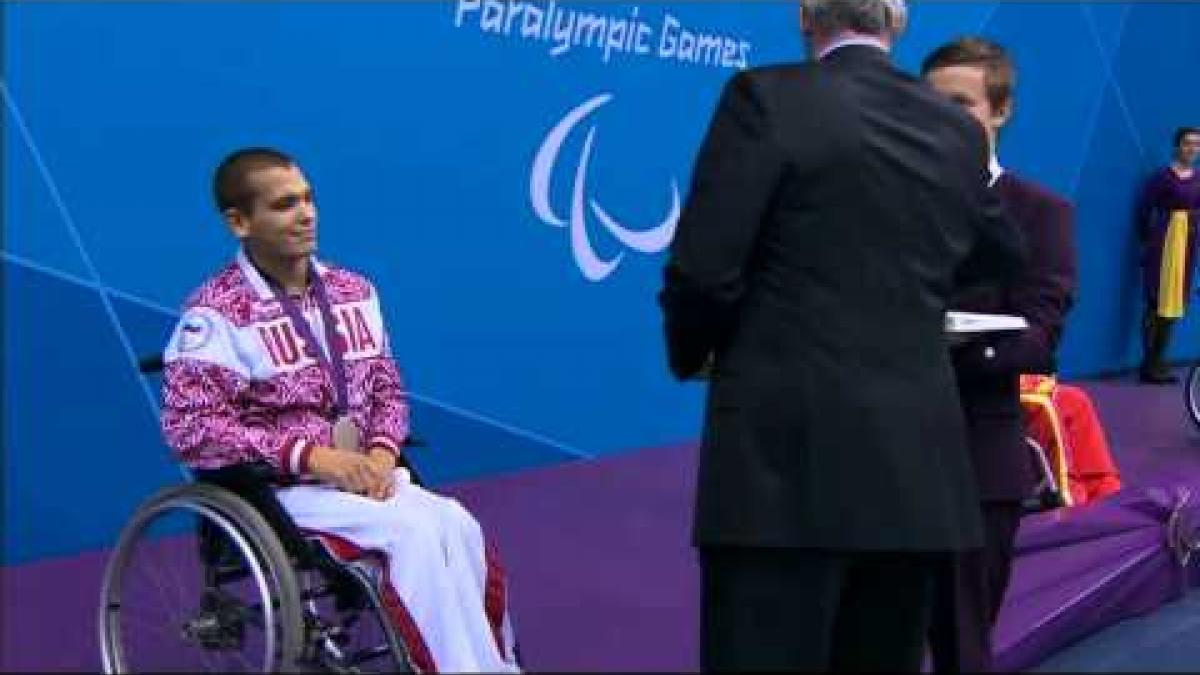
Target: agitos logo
[(593, 267)]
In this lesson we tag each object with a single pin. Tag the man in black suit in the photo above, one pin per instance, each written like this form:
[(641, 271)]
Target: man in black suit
[(978, 75), (835, 207)]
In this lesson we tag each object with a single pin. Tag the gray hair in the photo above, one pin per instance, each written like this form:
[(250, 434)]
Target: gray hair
[(873, 17)]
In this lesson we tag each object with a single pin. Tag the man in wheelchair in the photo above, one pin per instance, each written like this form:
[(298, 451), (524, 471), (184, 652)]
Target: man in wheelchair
[(283, 361)]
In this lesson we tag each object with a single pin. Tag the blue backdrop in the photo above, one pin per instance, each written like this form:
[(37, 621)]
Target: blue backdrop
[(481, 161)]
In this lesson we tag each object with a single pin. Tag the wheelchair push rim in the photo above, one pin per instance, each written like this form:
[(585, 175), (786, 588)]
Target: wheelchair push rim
[(1191, 394), (207, 632)]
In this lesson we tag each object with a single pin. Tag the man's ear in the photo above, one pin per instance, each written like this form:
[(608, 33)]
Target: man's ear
[(238, 224), (897, 17), (1003, 114)]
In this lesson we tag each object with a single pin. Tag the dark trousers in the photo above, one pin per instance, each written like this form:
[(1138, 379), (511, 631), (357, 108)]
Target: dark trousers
[(812, 610), (968, 600)]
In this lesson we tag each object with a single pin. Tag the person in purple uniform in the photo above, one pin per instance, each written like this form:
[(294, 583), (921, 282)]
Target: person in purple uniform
[(979, 75), (1166, 225)]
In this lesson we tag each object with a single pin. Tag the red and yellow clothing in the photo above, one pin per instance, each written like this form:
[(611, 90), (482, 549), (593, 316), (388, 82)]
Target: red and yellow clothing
[(1063, 420)]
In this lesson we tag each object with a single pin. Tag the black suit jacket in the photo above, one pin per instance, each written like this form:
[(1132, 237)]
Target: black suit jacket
[(988, 369), (832, 207)]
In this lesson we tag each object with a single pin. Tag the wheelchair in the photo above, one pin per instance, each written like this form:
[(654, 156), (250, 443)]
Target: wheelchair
[(1191, 393), (214, 575), (1052, 490), (1048, 494)]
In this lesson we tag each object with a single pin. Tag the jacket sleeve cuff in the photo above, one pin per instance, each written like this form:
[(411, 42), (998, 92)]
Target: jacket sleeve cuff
[(386, 442), (294, 456)]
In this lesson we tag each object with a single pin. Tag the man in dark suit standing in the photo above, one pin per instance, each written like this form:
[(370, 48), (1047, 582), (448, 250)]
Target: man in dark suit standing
[(978, 75), (835, 207)]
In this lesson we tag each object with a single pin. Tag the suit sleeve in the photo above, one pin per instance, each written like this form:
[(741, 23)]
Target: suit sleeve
[(736, 173), (1043, 295)]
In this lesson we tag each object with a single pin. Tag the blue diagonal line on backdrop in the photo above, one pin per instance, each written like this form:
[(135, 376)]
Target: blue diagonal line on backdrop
[(77, 281), (533, 436), (1107, 60), (987, 18), (148, 304), (69, 221), (1098, 108)]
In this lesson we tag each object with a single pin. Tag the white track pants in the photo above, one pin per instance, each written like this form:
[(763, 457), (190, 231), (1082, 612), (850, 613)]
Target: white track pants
[(452, 608)]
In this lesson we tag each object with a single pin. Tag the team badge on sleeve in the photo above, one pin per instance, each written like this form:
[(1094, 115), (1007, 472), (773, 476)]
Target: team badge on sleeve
[(195, 330)]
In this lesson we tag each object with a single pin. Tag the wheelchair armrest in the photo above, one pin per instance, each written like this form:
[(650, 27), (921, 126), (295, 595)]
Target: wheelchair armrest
[(403, 461), (247, 474), (255, 483), (151, 364)]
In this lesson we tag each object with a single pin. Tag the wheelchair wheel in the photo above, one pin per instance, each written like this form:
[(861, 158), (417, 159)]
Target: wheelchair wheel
[(169, 603), (1046, 495), (1191, 393), (355, 634)]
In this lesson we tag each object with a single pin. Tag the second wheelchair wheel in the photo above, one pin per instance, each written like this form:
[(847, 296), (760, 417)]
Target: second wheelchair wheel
[(360, 638), (198, 582), (1191, 394)]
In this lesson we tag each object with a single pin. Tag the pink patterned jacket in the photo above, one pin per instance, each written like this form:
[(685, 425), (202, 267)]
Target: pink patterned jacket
[(238, 385)]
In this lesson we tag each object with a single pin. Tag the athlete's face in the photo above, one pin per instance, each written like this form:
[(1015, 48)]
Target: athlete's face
[(282, 218)]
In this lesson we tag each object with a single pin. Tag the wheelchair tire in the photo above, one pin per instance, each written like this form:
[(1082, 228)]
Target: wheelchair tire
[(269, 570), (1191, 394)]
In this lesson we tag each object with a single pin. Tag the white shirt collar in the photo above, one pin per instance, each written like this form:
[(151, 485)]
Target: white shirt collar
[(995, 170), (852, 39)]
